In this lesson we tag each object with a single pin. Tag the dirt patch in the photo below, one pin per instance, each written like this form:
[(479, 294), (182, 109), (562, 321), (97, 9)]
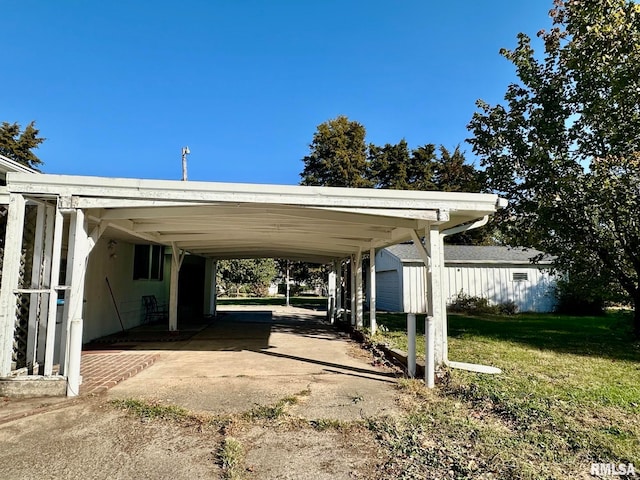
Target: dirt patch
[(92, 439), (303, 453)]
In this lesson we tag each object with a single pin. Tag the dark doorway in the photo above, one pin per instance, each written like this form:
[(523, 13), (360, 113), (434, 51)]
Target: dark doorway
[(191, 288)]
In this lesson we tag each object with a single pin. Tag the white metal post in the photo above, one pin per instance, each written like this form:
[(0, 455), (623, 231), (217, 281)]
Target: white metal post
[(176, 263), (352, 270), (411, 344), (359, 293), (434, 284), (337, 266), (46, 283), (287, 286), (10, 279), (331, 301), (76, 267), (34, 298), (53, 292), (345, 301), (66, 315), (75, 357), (214, 289), (430, 338), (209, 305), (444, 324), (372, 291)]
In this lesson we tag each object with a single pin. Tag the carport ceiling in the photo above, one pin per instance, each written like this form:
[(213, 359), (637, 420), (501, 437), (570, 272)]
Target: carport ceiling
[(223, 220)]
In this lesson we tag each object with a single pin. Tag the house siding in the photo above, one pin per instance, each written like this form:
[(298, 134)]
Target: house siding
[(100, 317)]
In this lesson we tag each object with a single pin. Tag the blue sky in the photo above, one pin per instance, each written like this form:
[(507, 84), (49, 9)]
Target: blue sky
[(118, 87)]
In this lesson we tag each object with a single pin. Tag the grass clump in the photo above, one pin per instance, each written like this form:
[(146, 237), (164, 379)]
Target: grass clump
[(150, 411), (231, 459), (271, 412)]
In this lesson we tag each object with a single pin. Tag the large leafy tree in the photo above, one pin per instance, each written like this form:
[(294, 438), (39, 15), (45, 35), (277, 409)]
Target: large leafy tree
[(18, 145), (452, 173), (338, 155), (565, 146), (303, 273), (252, 274)]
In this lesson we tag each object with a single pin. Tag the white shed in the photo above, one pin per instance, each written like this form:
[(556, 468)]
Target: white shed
[(500, 274)]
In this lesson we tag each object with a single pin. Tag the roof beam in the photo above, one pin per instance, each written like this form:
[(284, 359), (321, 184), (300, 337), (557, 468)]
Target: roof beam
[(162, 190)]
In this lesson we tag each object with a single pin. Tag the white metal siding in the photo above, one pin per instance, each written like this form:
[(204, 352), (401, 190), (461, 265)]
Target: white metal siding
[(388, 291), (402, 287), (415, 288), (497, 285)]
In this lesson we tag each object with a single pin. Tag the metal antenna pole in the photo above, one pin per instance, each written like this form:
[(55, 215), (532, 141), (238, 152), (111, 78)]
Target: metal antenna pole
[(185, 152)]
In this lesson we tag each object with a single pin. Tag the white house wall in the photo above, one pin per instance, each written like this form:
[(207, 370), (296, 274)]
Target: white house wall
[(496, 283), (116, 264)]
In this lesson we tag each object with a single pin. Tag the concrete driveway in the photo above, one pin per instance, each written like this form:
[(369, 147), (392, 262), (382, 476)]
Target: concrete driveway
[(252, 356)]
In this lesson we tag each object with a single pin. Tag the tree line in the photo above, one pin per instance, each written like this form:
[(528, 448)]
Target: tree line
[(341, 157)]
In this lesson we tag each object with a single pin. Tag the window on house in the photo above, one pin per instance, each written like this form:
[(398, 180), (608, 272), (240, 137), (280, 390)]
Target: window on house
[(520, 276), (148, 262)]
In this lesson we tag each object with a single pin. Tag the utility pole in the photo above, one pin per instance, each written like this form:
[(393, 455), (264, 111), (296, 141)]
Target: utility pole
[(185, 152)]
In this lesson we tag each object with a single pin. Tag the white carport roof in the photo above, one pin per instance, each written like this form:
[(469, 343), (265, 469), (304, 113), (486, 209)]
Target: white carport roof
[(234, 220)]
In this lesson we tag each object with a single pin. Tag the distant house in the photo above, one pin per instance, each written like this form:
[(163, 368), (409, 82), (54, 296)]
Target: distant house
[(500, 274)]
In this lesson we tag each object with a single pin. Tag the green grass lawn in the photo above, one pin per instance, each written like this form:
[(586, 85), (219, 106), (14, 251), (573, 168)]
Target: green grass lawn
[(314, 303), (569, 395)]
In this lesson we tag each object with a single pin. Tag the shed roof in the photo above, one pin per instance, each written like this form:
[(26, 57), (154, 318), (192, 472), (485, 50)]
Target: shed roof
[(236, 220), (407, 252)]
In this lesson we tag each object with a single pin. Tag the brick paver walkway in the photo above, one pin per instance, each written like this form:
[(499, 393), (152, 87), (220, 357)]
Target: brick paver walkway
[(102, 370)]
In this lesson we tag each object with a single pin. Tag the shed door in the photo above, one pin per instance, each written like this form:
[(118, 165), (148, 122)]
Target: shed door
[(388, 291)]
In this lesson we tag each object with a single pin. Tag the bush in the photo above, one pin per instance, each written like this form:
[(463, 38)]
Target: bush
[(463, 303), (508, 308)]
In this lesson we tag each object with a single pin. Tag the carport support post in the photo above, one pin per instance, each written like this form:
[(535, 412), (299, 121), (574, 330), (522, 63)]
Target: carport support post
[(72, 333), (359, 292), (411, 344), (436, 301), (352, 271), (433, 257), (337, 266), (10, 278), (331, 301), (53, 291), (176, 263), (372, 291), (345, 302), (211, 290), (287, 301), (429, 366)]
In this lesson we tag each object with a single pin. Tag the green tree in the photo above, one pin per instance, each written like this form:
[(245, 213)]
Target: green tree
[(303, 273), (338, 155), (565, 148), (254, 275), (452, 173), (395, 167), (17, 144)]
